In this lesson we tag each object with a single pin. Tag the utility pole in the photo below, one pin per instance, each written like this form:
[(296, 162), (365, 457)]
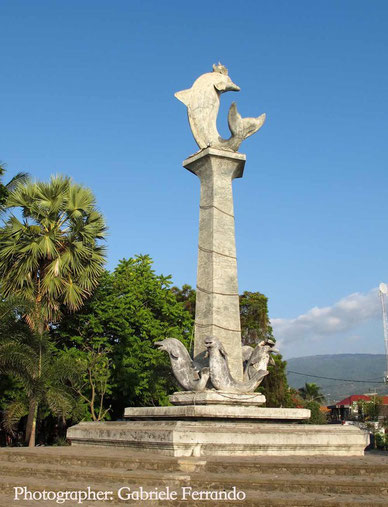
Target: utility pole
[(383, 290)]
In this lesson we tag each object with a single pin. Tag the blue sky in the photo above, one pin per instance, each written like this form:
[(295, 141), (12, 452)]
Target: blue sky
[(87, 90)]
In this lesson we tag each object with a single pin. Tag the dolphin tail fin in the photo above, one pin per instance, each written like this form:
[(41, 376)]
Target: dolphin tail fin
[(259, 375), (243, 127), (235, 121), (184, 96), (256, 379)]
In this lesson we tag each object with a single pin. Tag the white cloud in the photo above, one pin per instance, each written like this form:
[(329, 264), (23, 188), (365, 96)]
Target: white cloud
[(320, 323)]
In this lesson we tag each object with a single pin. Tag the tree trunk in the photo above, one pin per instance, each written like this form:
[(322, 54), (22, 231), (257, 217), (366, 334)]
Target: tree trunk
[(33, 412), (31, 423)]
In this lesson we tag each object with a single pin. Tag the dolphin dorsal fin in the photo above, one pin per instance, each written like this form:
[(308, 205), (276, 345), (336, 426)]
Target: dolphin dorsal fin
[(184, 96)]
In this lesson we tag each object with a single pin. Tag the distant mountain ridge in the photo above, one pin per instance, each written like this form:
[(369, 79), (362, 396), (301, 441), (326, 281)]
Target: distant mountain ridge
[(366, 367)]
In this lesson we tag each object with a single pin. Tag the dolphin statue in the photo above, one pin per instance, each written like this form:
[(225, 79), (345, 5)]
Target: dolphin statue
[(259, 358), (185, 370), (203, 102), (246, 353), (220, 375)]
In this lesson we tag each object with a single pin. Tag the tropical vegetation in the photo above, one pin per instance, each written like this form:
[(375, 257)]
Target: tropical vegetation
[(51, 255), (77, 341), (51, 258), (311, 392), (132, 308), (42, 374)]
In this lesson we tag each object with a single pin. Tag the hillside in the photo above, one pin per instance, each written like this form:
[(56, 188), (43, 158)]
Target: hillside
[(368, 367)]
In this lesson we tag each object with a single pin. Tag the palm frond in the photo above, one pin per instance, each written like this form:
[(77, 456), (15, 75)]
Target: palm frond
[(13, 413), (60, 401), (19, 179)]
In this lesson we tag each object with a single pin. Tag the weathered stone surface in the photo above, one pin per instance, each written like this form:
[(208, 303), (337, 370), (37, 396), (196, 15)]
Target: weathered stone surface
[(223, 438), (258, 358), (267, 480), (216, 398), (183, 366), (203, 102), (217, 306), (220, 372), (217, 411)]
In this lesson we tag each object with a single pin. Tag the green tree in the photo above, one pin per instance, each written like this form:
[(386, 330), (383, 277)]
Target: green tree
[(39, 371), (51, 258), (90, 379), (11, 325), (275, 385), (255, 327), (373, 408), (370, 410), (317, 417), (131, 309), (187, 296), (312, 392)]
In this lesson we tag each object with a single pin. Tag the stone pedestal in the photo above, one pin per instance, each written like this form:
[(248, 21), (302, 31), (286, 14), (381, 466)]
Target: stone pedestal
[(222, 437), (221, 430), (213, 428), (216, 398), (217, 310)]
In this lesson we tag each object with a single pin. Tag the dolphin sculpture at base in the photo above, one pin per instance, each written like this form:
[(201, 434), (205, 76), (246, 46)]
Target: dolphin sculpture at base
[(246, 353), (203, 102), (220, 375), (185, 370), (258, 358)]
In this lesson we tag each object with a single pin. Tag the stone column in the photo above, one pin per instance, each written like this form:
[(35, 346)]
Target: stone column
[(217, 306)]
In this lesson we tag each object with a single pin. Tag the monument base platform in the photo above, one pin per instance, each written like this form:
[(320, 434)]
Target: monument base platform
[(222, 438)]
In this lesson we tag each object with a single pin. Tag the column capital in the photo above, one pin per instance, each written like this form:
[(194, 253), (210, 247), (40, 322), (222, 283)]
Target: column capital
[(195, 162)]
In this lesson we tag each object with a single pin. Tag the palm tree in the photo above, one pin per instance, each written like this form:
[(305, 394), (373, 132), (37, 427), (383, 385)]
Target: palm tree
[(52, 257), (31, 359), (311, 392)]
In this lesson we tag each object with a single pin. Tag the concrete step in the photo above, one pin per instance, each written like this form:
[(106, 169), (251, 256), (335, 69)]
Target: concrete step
[(273, 481), (310, 500), (253, 498), (372, 464), (367, 485)]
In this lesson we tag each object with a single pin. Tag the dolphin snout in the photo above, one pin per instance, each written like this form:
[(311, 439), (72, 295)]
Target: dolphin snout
[(275, 351), (159, 345), (233, 87)]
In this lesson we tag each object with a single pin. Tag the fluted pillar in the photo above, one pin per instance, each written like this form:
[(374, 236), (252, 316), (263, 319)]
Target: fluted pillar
[(217, 305)]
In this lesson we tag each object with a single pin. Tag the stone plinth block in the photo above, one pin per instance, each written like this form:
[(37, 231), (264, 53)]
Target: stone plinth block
[(217, 311), (216, 398), (216, 411), (219, 438)]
